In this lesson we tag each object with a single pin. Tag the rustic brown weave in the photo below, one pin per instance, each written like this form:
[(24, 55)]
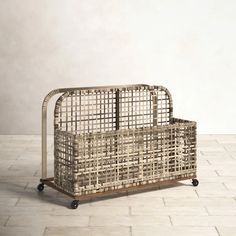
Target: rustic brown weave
[(118, 137)]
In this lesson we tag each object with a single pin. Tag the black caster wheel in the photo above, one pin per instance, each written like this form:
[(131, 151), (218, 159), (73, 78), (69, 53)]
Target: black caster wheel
[(40, 187), (195, 182), (74, 204)]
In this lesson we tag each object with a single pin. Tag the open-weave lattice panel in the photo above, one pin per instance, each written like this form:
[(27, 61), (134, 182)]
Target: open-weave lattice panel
[(112, 160), (99, 110)]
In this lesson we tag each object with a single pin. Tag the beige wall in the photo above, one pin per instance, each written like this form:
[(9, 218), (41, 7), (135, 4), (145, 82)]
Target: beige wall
[(186, 45)]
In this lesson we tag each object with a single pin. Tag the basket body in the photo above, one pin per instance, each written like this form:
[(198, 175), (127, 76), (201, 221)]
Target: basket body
[(115, 138)]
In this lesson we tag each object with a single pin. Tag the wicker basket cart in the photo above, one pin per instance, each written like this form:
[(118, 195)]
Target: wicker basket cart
[(116, 139)]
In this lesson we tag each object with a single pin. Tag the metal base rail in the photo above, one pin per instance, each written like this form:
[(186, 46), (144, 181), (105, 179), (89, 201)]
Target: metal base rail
[(111, 193)]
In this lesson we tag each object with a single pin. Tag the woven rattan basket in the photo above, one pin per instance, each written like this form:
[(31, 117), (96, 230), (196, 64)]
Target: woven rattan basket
[(117, 139)]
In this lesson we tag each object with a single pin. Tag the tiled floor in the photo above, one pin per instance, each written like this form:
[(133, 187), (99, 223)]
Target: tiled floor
[(209, 209)]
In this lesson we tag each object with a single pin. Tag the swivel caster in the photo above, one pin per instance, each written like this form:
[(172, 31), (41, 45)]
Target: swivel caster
[(195, 182), (40, 187), (74, 204)]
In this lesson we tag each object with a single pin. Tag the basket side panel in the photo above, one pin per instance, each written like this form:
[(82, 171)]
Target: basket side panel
[(182, 156), (64, 161)]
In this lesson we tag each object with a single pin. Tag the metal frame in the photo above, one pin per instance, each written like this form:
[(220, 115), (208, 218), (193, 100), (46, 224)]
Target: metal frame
[(146, 187), (50, 181)]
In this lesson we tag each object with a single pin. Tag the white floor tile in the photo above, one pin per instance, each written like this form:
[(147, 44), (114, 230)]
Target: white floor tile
[(129, 220), (204, 220), (47, 220), (226, 231), (22, 231), (173, 231), (181, 210)]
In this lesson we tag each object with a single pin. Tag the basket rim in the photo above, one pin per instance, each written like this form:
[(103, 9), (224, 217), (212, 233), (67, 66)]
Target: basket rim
[(179, 123)]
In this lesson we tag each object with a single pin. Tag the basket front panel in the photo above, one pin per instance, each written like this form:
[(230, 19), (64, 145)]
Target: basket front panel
[(115, 160)]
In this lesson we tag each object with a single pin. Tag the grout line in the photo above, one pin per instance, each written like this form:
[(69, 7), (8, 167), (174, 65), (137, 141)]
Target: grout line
[(130, 212), (44, 232), (170, 221), (208, 162), (89, 223), (225, 186), (234, 199), (130, 231), (231, 156), (9, 168), (26, 186), (225, 148), (217, 230), (164, 202), (5, 224), (196, 193), (217, 141), (90, 202), (17, 201), (207, 210)]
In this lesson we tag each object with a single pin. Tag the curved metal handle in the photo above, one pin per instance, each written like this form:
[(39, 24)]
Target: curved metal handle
[(170, 100), (44, 130), (44, 126)]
